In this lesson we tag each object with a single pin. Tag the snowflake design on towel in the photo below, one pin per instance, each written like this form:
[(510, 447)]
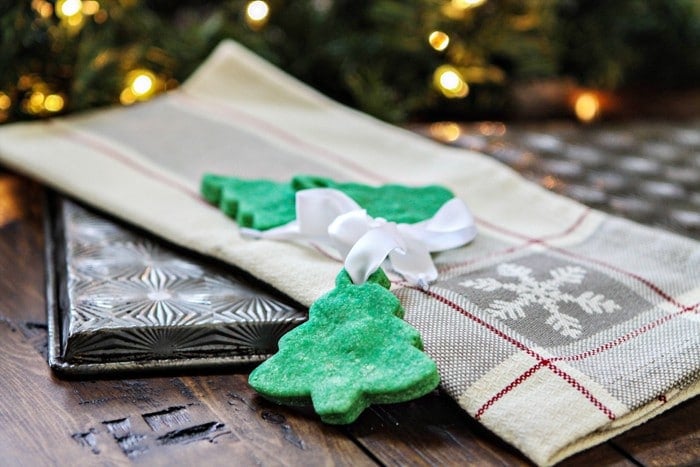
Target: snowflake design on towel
[(547, 293)]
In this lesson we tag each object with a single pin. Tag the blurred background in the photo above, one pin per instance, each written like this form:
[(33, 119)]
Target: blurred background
[(402, 61), (593, 99)]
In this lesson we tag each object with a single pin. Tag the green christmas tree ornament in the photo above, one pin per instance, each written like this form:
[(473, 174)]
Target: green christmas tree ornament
[(257, 204), (395, 203), (355, 350), (264, 204)]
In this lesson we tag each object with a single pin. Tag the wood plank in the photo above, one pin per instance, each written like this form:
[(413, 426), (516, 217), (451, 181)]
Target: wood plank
[(432, 430), (45, 420), (217, 417), (21, 250), (33, 421), (435, 431), (604, 454), (672, 438)]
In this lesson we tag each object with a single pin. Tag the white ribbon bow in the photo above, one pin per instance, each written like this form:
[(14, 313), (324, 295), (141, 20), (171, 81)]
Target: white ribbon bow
[(330, 219)]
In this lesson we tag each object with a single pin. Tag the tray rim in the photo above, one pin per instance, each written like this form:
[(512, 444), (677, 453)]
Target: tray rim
[(52, 225)]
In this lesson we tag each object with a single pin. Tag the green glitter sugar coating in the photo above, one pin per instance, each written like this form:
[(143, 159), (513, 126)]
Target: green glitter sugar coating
[(395, 203), (264, 204), (355, 350), (257, 204)]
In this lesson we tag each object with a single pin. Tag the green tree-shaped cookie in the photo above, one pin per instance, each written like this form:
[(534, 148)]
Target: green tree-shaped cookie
[(258, 204), (264, 204), (355, 350), (395, 203)]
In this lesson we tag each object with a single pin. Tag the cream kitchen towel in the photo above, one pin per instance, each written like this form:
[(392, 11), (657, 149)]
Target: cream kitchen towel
[(557, 328)]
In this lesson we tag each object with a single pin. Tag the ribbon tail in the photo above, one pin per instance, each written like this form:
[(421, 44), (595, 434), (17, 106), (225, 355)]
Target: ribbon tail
[(415, 263), (317, 208), (370, 251), (345, 231), (289, 231), (452, 226)]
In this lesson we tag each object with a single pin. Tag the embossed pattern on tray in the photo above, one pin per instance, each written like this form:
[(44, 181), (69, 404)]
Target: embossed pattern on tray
[(128, 298)]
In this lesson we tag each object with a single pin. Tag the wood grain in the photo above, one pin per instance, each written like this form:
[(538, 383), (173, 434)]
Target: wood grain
[(33, 417), (672, 438), (21, 250), (430, 431)]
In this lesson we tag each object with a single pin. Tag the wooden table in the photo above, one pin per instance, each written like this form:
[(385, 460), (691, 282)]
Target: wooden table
[(216, 419)]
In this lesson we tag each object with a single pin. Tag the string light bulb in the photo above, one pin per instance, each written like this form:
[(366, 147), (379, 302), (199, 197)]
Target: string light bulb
[(467, 4), (257, 13), (141, 85), (438, 40), (35, 103), (447, 132), (5, 101), (71, 14), (450, 82), (68, 8), (90, 7), (54, 103), (587, 107), (43, 8)]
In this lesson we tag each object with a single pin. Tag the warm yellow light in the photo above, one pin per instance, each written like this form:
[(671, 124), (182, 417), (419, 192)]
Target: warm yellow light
[(68, 8), (492, 129), (36, 99), (587, 107), (10, 201), (43, 8), (35, 103), (142, 85), (445, 131), (438, 40), (466, 4), (257, 10), (90, 7), (54, 103), (450, 82), (46, 10), (75, 22), (127, 97), (5, 101)]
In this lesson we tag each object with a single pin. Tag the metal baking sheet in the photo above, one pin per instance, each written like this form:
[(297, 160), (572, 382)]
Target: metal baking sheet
[(120, 300)]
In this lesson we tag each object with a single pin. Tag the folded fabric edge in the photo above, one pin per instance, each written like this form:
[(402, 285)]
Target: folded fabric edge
[(200, 81), (624, 423)]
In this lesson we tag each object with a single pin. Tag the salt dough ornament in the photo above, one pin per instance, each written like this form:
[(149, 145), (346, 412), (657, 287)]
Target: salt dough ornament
[(265, 204), (355, 350), (256, 204), (395, 203)]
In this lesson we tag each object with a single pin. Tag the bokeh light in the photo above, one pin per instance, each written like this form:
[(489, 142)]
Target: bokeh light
[(438, 40), (450, 82), (257, 13), (587, 107)]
